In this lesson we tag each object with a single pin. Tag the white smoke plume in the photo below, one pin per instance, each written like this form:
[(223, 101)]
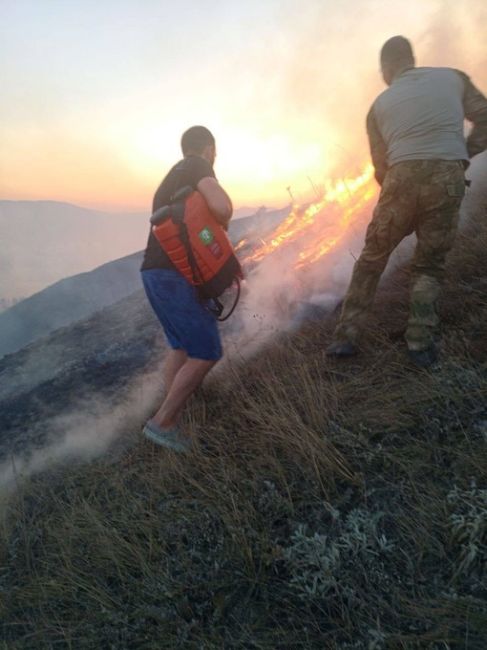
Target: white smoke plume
[(86, 431)]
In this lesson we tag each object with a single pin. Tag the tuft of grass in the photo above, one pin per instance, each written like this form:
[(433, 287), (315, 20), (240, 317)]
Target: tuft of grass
[(333, 505)]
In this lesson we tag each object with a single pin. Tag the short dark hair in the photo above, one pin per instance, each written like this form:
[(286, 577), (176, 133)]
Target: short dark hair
[(396, 50), (196, 139)]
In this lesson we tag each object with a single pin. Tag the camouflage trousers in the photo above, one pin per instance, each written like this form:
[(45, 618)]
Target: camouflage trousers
[(421, 196)]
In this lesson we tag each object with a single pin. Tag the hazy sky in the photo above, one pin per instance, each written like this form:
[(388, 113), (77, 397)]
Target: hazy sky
[(95, 94)]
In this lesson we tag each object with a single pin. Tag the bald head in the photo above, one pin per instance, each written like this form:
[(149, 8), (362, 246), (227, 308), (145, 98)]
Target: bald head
[(396, 55)]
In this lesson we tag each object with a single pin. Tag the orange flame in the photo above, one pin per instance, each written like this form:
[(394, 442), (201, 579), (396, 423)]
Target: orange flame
[(319, 228), (241, 244)]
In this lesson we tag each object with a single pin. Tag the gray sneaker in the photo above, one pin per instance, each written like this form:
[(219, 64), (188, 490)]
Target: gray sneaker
[(170, 438)]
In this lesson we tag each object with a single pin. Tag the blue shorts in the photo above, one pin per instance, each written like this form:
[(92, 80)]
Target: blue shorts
[(188, 325)]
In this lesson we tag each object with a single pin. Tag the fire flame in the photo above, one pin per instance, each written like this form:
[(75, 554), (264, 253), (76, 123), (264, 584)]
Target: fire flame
[(319, 228)]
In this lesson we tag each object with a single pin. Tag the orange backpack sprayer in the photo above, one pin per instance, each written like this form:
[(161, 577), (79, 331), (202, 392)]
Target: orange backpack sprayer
[(197, 246)]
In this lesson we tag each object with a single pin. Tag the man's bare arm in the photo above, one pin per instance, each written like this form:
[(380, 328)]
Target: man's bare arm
[(217, 199)]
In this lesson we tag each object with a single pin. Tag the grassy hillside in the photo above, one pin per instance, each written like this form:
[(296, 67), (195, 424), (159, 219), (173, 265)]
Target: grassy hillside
[(329, 505)]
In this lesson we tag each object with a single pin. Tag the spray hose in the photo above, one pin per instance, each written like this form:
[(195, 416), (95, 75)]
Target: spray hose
[(219, 309)]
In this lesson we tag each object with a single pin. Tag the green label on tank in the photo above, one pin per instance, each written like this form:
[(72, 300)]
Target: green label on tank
[(206, 236)]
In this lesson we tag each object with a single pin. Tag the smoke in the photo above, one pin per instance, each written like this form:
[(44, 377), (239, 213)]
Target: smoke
[(278, 297), (454, 37), (86, 431), (327, 72)]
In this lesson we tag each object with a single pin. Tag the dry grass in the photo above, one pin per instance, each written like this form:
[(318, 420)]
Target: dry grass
[(332, 506)]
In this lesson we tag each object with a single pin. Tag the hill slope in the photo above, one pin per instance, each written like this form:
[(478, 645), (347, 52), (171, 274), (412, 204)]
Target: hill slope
[(332, 505), (67, 301)]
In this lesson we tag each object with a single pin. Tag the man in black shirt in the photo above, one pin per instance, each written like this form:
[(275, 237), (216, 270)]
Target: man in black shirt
[(190, 328)]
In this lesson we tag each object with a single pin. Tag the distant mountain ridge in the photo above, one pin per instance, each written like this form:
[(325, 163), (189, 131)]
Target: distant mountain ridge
[(46, 241)]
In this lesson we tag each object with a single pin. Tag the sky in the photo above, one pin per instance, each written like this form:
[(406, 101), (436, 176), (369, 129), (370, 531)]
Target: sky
[(96, 94)]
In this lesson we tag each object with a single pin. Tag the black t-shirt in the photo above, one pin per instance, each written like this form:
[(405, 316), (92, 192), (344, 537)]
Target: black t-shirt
[(188, 171)]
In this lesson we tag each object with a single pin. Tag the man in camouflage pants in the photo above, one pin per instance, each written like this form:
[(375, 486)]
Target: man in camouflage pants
[(419, 152)]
